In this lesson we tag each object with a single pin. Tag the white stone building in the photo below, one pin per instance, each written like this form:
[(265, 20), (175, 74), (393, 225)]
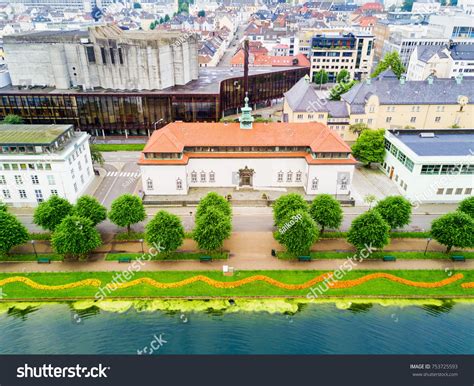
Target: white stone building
[(248, 155), (104, 57), (38, 161), (431, 166)]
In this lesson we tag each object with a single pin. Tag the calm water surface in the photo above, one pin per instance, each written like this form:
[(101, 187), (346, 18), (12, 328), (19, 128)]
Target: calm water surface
[(315, 329)]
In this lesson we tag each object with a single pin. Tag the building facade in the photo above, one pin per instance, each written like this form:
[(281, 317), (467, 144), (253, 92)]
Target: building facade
[(435, 166), (335, 52), (248, 155), (218, 92), (103, 57), (39, 161), (386, 102)]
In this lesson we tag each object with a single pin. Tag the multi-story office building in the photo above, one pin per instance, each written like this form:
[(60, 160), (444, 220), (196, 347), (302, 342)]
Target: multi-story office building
[(102, 57), (387, 102), (38, 161), (335, 52), (435, 166)]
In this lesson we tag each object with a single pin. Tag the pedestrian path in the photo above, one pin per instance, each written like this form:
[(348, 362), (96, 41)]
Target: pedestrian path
[(123, 174)]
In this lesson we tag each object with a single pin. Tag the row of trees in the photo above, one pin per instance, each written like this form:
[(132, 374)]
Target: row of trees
[(213, 225), (299, 224)]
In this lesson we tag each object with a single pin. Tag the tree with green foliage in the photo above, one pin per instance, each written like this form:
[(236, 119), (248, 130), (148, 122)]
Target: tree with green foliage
[(161, 21), (358, 128), (321, 77), (370, 146), (202, 13), (395, 210), (89, 207), (211, 229), (391, 60), (152, 25), (343, 76), (96, 155), (12, 119), (12, 232), (370, 199), (454, 229), (137, 5), (326, 211), (3, 207), (75, 237), (339, 89), (369, 230), (127, 210), (288, 204), (467, 206), (166, 231), (298, 232), (49, 214), (167, 18), (213, 200)]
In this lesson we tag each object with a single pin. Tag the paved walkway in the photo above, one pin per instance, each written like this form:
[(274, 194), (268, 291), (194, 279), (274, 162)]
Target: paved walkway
[(249, 251)]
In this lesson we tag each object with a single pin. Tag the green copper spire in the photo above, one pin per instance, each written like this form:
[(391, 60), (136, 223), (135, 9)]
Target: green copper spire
[(246, 119)]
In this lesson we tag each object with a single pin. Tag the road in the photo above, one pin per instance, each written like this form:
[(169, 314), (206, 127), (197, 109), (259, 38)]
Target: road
[(233, 47), (244, 219)]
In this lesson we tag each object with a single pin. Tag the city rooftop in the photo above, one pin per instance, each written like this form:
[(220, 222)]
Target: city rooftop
[(39, 135)]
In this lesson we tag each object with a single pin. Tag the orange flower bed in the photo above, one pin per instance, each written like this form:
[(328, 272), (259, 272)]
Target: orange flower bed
[(276, 283), (468, 285), (222, 284), (396, 279), (33, 284)]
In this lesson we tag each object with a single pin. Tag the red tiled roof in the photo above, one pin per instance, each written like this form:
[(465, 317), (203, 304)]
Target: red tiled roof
[(175, 136)]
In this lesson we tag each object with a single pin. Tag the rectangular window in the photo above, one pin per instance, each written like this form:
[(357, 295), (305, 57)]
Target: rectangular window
[(450, 169), (51, 180), (289, 177), (112, 56), (47, 166), (6, 166), (75, 187), (430, 169), (387, 145), (179, 184), (6, 194), (298, 176), (394, 150), (39, 195), (300, 116), (18, 180), (149, 184), (194, 177), (212, 177), (449, 191), (120, 54), (458, 191), (35, 180), (413, 119), (203, 177), (388, 119), (22, 193), (440, 191), (79, 165), (90, 54), (3, 181), (103, 54), (437, 119), (401, 157), (468, 191), (82, 179), (54, 192), (467, 169), (409, 164), (280, 176)]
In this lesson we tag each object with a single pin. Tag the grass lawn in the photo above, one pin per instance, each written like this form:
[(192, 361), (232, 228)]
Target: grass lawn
[(30, 257), (174, 256), (378, 255), (119, 147), (40, 236), (376, 287)]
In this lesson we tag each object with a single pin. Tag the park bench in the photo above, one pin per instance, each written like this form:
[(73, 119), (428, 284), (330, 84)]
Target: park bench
[(389, 258), (124, 260), (205, 258), (304, 258), (458, 258), (43, 260)]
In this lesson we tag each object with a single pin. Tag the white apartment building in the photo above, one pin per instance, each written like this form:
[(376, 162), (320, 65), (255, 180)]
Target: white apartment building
[(431, 166), (38, 161), (335, 52)]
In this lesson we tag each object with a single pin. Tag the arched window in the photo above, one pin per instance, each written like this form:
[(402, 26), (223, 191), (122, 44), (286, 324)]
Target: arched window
[(194, 177), (344, 183), (315, 183), (212, 176), (289, 176), (179, 184), (149, 184), (298, 176), (280, 176), (203, 176)]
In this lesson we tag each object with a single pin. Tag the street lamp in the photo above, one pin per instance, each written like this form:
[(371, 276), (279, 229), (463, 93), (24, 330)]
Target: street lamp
[(34, 248), (141, 242), (427, 243)]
